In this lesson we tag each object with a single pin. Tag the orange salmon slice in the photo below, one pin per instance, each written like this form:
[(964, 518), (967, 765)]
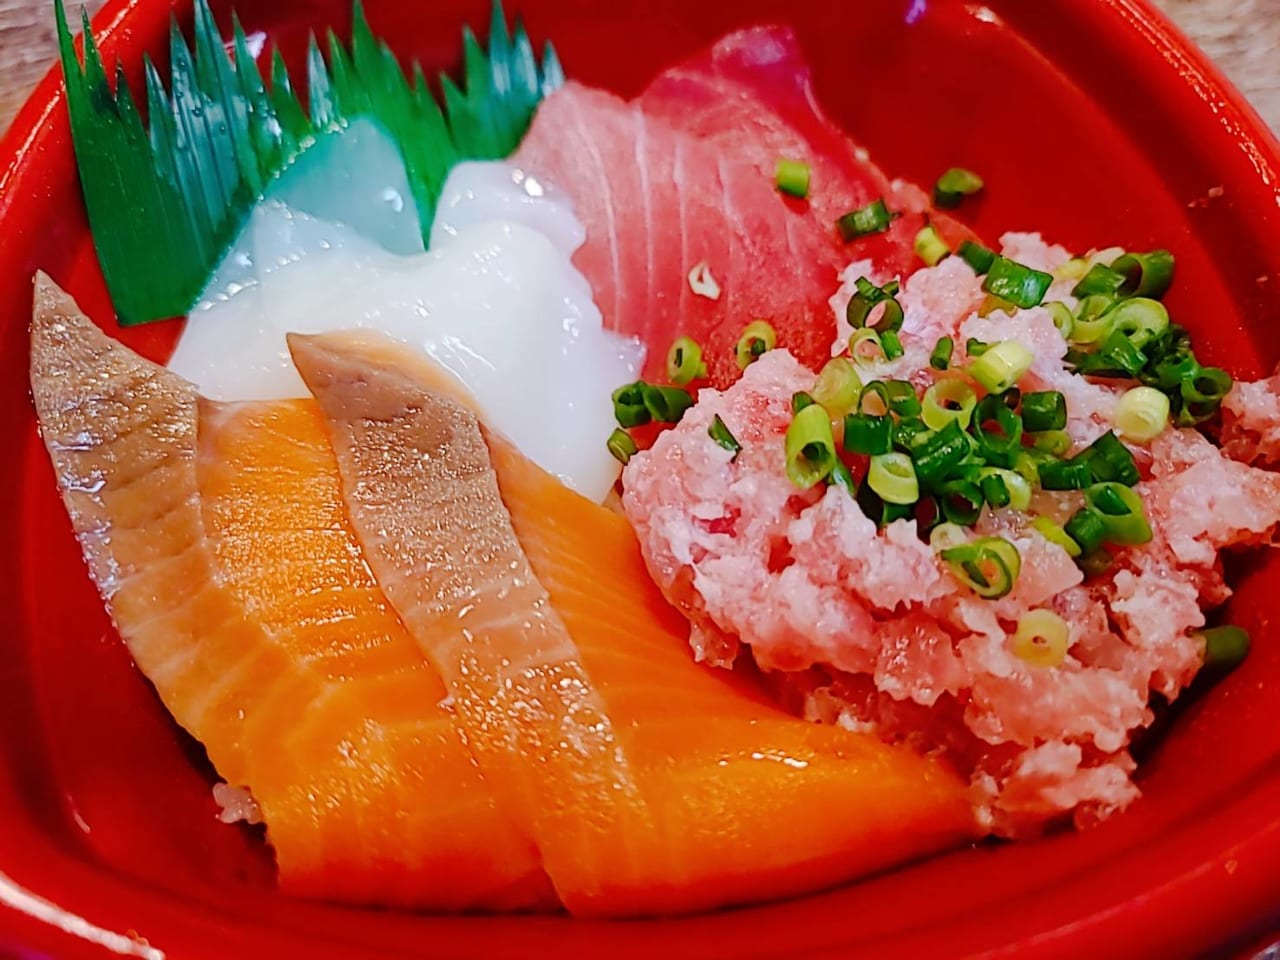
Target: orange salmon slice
[(738, 801), (219, 543)]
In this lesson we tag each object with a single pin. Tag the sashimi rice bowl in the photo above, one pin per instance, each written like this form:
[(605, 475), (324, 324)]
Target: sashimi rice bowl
[(625, 506)]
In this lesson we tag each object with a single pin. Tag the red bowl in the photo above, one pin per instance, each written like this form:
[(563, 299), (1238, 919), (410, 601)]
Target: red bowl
[(1093, 122)]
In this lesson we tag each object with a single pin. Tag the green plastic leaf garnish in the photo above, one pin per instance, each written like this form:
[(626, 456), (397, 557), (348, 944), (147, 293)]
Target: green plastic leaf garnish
[(166, 198)]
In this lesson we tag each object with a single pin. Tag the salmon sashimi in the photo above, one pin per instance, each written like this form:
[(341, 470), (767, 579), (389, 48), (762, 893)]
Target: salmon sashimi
[(742, 802), (406, 814), (424, 501), (751, 95), (681, 237), (315, 703)]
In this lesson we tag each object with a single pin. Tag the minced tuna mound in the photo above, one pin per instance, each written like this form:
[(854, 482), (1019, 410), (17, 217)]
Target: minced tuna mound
[(869, 628)]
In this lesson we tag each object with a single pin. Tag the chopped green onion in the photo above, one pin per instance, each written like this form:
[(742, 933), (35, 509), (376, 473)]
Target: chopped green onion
[(994, 490), (948, 400), (906, 431), (629, 407), (758, 338), (873, 218), (1099, 280), (879, 510), (1056, 535), (800, 400), (684, 362), (976, 256), (1027, 465), (721, 435), (940, 358), (810, 447), (1140, 319), (1225, 647), (947, 535), (875, 399), (666, 404), (793, 177), (1142, 414), (838, 386), (961, 501), (1017, 485), (1062, 317), (992, 305), (841, 477), (997, 446), (1109, 459), (621, 446), (1065, 475), (1117, 357), (868, 434), (1073, 269), (1020, 285), (1091, 321), (893, 478), (988, 566), (1002, 366), (1145, 274), (1042, 638), (867, 298), (937, 454), (1055, 442), (865, 347), (974, 347), (1208, 385), (954, 185), (1123, 518), (1044, 410), (891, 345), (930, 247), (902, 398), (1087, 529)]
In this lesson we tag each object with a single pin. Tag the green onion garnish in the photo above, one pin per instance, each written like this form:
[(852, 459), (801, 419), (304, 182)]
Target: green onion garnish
[(940, 358), (684, 362), (621, 446), (906, 431), (1020, 285), (961, 501), (879, 510), (938, 453), (930, 247), (893, 478), (989, 566), (793, 177), (1056, 535), (629, 408), (1117, 357), (948, 400), (1087, 529), (1124, 520), (891, 344), (1055, 442), (1145, 274), (1065, 475), (1062, 316), (841, 477), (976, 256), (721, 435), (1108, 459), (1092, 322), (997, 445), (875, 399), (902, 398), (838, 386), (868, 434), (800, 400), (1015, 483), (867, 298), (1044, 410), (1225, 647), (810, 447), (975, 347), (1202, 394), (873, 218), (666, 404), (994, 491), (1002, 366), (1142, 414), (1099, 280), (1140, 319), (1042, 639), (865, 347), (954, 185), (758, 338)]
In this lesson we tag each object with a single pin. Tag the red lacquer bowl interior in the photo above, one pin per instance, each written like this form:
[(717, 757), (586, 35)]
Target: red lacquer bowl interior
[(1091, 121)]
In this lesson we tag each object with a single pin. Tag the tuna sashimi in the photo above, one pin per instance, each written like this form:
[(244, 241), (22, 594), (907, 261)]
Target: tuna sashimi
[(338, 732), (751, 95), (742, 801), (658, 203)]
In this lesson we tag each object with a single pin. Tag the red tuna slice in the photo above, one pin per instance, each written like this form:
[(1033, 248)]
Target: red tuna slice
[(657, 202), (751, 94)]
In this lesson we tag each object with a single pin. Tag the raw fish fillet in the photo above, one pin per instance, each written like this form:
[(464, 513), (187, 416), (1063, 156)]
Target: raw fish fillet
[(220, 547), (723, 797)]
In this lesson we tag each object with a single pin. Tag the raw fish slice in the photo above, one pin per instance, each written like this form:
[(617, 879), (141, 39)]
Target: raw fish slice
[(751, 95), (374, 785), (424, 502), (757, 803), (348, 774), (657, 202)]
